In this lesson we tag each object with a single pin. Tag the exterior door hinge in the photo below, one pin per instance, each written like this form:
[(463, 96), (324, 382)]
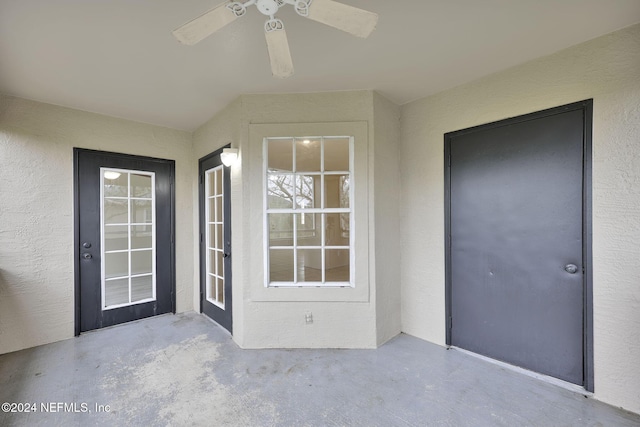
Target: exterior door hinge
[(201, 238), (450, 322)]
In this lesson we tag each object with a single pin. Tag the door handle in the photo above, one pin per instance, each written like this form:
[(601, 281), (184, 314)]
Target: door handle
[(86, 255), (571, 268)]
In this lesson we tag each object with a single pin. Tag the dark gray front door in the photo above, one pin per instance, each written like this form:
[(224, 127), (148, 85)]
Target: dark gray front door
[(125, 258), (215, 240), (516, 255)]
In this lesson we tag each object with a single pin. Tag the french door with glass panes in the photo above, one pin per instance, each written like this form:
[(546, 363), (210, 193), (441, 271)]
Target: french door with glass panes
[(215, 240), (124, 238)]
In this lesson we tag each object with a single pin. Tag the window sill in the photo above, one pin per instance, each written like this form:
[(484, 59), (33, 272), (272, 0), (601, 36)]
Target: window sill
[(310, 294)]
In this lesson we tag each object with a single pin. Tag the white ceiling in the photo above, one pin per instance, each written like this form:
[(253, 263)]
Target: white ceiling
[(118, 57)]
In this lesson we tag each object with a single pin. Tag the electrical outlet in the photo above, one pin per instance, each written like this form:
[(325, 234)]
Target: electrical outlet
[(308, 317)]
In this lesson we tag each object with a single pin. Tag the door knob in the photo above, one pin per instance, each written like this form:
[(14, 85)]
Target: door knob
[(86, 255), (86, 245), (571, 268)]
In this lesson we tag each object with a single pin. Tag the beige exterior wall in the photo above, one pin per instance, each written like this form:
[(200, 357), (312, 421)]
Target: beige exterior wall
[(36, 211), (606, 69), (386, 205), (276, 317)]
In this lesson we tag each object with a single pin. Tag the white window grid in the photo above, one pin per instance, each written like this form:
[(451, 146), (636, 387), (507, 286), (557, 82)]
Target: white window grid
[(322, 210), (129, 224), (215, 218)]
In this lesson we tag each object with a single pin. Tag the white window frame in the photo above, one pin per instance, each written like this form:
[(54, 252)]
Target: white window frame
[(322, 210), (208, 222), (129, 224)]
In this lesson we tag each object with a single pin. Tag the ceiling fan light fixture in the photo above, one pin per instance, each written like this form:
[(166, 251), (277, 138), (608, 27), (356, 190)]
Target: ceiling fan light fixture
[(302, 7)]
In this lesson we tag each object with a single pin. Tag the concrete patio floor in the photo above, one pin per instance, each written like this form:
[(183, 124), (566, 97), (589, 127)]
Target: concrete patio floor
[(184, 370)]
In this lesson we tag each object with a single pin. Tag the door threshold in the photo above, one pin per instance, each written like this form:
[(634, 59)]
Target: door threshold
[(546, 378), (117, 325), (217, 324)]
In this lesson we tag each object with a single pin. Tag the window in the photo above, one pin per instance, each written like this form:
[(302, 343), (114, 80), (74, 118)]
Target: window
[(214, 214), (128, 247), (309, 211)]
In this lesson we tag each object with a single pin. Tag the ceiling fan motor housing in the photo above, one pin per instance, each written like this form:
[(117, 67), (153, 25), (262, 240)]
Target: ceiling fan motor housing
[(267, 7)]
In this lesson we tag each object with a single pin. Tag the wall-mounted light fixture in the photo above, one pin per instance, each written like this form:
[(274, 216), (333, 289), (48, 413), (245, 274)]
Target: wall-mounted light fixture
[(229, 156)]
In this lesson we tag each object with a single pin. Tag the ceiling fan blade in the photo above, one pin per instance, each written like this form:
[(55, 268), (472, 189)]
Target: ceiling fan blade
[(352, 20), (279, 53), (205, 25)]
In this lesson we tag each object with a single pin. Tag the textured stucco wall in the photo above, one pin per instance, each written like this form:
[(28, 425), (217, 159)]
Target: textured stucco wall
[(281, 323), (36, 211), (606, 69), (386, 205)]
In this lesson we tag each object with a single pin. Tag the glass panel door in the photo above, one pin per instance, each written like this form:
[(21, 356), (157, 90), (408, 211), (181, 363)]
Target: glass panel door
[(127, 224), (214, 218)]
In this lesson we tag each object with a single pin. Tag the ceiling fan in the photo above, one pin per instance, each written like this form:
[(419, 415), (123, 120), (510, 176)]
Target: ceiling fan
[(347, 18)]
